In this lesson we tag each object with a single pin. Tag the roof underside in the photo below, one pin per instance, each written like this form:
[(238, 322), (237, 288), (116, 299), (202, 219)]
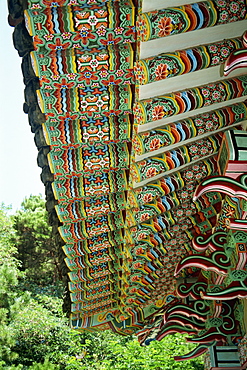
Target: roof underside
[(128, 116)]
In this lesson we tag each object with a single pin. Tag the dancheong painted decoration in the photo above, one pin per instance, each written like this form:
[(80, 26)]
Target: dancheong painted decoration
[(139, 113)]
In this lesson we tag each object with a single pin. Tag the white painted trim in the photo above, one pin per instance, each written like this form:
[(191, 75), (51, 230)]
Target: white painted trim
[(190, 39), (175, 146), (149, 5), (166, 121), (186, 81), (170, 172)]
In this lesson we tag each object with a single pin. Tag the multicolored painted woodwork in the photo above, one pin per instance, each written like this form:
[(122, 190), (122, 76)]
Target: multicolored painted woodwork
[(214, 242), (198, 309), (217, 262), (168, 226), (212, 326), (242, 350), (175, 182), (171, 21), (158, 206), (183, 101), (232, 160), (39, 4), (214, 332), (178, 208), (231, 207), (94, 27), (170, 65), (237, 59), (102, 158), (80, 210), (220, 244), (234, 283), (224, 185), (109, 100), (189, 128), (91, 227), (75, 129), (193, 289), (198, 351), (122, 242), (225, 255), (73, 186), (221, 356), (72, 63), (77, 68), (174, 159)]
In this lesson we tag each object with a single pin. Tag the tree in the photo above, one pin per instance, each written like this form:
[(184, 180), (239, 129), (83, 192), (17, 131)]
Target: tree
[(46, 365), (34, 333), (34, 242), (8, 281), (8, 251), (126, 354), (42, 333)]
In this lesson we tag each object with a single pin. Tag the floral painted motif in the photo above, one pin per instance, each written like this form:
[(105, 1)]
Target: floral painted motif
[(167, 185), (68, 130), (165, 106), (173, 64), (175, 158), (170, 21), (87, 70), (195, 126), (165, 27), (84, 29), (158, 112), (123, 243)]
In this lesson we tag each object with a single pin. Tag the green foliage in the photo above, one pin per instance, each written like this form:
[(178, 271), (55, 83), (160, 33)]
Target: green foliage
[(41, 333), (127, 354), (8, 251), (34, 334), (46, 365), (8, 281), (34, 242)]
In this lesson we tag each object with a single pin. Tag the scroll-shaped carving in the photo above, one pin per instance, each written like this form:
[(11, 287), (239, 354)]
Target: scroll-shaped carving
[(217, 262), (198, 351), (238, 224), (208, 336), (237, 289), (218, 328), (171, 329), (225, 185), (192, 322), (199, 310), (237, 59), (193, 289), (214, 242)]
